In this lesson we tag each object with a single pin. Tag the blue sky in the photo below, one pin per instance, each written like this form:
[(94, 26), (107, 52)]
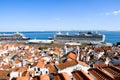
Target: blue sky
[(49, 15)]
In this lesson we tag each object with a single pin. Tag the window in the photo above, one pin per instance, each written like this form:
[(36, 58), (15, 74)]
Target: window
[(35, 69), (38, 69), (37, 72), (41, 72), (46, 72)]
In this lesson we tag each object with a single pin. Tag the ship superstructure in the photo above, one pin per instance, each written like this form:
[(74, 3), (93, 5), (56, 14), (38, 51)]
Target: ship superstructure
[(82, 37), (13, 37)]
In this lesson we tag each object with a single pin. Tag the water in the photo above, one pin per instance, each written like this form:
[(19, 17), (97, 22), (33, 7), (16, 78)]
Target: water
[(111, 36)]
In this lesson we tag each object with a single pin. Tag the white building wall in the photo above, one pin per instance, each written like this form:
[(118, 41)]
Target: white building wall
[(14, 74), (69, 70), (40, 71)]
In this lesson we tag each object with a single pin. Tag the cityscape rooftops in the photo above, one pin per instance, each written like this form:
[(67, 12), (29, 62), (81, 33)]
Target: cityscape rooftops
[(25, 62)]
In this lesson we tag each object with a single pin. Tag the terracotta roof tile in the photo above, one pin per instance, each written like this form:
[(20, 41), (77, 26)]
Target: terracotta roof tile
[(99, 65), (41, 59), (82, 63), (66, 76), (4, 75), (88, 76), (99, 74), (36, 78), (17, 61), (22, 78), (112, 71), (6, 66), (52, 69), (70, 63), (81, 75), (61, 76), (69, 59), (77, 76), (58, 77), (118, 66), (44, 77), (72, 55), (34, 64), (41, 64), (26, 77), (22, 69), (67, 64)]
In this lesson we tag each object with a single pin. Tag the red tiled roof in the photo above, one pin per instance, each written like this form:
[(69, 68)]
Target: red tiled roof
[(4, 75), (41, 64), (77, 76), (66, 76), (17, 61), (72, 55), (26, 77), (112, 71), (70, 63), (118, 66), (82, 63), (100, 75), (99, 65), (22, 78), (69, 59), (44, 77), (88, 76), (81, 75), (22, 69), (67, 64), (61, 76), (50, 67), (57, 77)]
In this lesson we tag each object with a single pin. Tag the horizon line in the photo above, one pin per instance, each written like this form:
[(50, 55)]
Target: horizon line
[(58, 30)]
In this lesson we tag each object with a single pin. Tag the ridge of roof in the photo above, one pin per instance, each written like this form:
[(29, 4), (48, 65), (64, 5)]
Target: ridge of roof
[(70, 63)]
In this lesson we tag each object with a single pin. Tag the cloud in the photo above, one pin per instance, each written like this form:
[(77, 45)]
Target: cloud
[(117, 12)]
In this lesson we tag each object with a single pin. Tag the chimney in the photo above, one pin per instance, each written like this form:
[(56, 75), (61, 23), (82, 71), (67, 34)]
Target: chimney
[(66, 49)]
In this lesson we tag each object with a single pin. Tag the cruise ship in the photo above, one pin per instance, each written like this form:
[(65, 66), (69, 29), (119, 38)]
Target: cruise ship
[(13, 37), (81, 37)]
